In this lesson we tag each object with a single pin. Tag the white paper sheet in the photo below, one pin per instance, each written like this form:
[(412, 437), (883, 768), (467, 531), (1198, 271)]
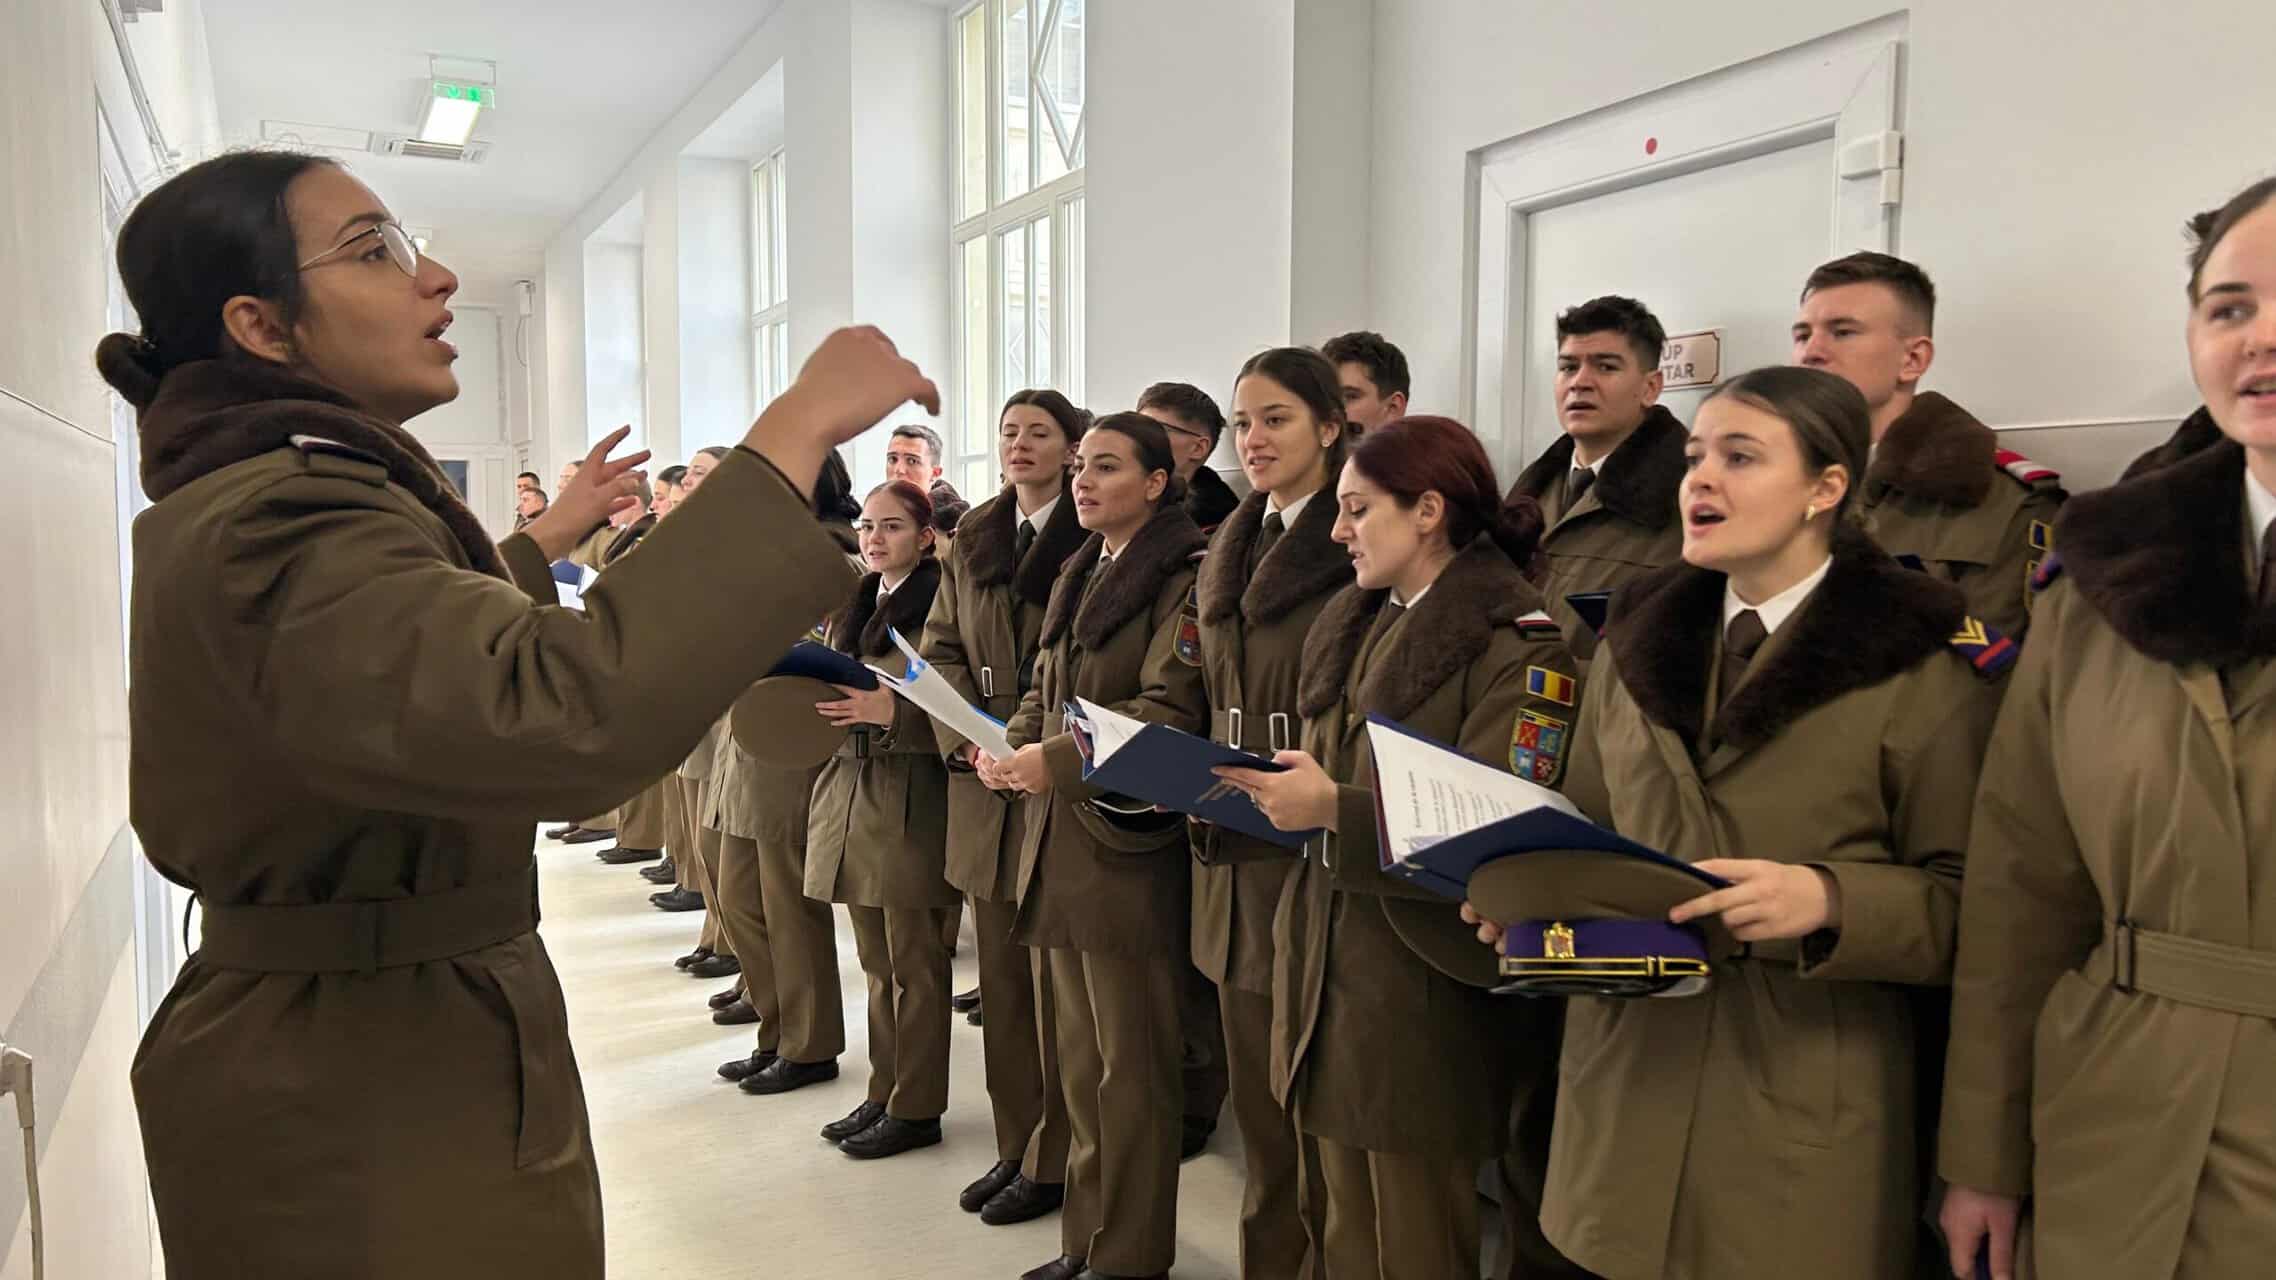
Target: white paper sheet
[(936, 697), (1428, 793)]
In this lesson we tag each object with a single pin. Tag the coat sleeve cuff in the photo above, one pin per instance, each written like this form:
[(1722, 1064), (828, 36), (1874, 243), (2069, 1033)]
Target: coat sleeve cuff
[(1063, 760), (529, 568), (1898, 924), (1984, 1142)]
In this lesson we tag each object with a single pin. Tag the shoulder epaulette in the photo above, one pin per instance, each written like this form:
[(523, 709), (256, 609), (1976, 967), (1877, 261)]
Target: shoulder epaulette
[(2026, 472), (331, 458), (1538, 624), (1985, 648), (1198, 556), (2050, 568)]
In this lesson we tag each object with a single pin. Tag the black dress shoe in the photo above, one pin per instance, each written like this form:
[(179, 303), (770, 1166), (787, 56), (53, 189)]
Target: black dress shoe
[(856, 1120), (661, 873), (1023, 1201), (1088, 1274), (742, 1069), (782, 1075), (891, 1136), (555, 833), (976, 1017), (965, 1001), (1065, 1267), (715, 967), (583, 835), (623, 857), (700, 953), (677, 900), (738, 1014), (1195, 1138), (721, 999), (977, 1195)]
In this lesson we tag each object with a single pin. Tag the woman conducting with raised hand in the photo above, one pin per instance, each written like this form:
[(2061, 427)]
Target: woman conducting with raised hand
[(1272, 567), (350, 708), (1794, 711), (2113, 1055), (877, 834), (1102, 890), (1397, 1062), (982, 636)]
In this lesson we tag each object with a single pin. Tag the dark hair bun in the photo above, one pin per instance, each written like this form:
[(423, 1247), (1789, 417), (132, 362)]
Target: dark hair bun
[(1517, 529), (130, 365)]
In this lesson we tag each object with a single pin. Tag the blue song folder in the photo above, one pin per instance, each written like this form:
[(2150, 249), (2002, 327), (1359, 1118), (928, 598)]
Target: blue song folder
[(1171, 768), (823, 663), (1440, 815)]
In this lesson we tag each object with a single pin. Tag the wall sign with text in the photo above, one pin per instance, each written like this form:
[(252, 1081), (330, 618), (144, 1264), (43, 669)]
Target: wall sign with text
[(1692, 359)]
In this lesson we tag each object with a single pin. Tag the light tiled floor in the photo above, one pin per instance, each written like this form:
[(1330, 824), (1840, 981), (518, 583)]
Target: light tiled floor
[(704, 1182)]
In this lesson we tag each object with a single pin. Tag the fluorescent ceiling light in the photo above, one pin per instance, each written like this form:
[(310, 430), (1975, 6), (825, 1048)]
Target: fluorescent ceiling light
[(452, 109)]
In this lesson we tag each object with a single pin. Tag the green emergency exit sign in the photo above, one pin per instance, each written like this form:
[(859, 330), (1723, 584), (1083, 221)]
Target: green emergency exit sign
[(480, 95)]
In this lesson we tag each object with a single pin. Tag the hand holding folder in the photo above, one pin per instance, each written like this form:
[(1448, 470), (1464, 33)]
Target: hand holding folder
[(1171, 769), (936, 697)]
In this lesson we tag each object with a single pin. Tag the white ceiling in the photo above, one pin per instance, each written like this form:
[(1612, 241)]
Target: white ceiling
[(581, 85)]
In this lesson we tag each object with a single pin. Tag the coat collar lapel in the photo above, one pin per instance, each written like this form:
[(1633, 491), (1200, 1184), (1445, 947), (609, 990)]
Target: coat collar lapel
[(987, 537), (2161, 559), (1480, 590), (211, 414), (1937, 451), (1637, 483), (860, 629), (1304, 563), (1129, 584), (1868, 620)]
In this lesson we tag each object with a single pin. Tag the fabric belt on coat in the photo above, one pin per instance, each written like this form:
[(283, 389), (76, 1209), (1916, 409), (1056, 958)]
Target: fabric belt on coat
[(365, 937), (1261, 734), (2209, 975)]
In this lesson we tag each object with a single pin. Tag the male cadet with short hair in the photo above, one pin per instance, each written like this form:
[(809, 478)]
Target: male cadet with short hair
[(1195, 424), (1940, 493), (1374, 378), (913, 455), (1607, 486)]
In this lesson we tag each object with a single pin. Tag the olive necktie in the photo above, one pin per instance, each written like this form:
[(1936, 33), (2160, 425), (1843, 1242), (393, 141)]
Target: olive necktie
[(1273, 527), (1740, 642), (2268, 566), (1577, 486), (1023, 540)]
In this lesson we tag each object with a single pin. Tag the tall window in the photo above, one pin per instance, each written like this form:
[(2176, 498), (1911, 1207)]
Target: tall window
[(1017, 243), (770, 282)]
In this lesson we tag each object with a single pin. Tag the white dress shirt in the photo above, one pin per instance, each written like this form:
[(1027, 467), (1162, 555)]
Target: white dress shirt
[(1778, 608)]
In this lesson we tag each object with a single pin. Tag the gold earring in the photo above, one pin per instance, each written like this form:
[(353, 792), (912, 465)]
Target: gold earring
[(1809, 514)]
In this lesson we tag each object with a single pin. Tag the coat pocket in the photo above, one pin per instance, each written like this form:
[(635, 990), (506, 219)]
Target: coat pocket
[(1791, 1037), (551, 1124)]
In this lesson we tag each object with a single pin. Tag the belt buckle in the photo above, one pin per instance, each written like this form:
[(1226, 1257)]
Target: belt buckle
[(2122, 957), (987, 682), (1233, 729), (1279, 732)]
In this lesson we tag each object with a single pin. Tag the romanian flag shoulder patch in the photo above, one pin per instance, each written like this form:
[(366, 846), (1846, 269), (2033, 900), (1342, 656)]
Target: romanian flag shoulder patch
[(1555, 686)]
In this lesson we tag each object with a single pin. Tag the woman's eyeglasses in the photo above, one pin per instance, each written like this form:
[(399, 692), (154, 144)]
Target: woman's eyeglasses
[(400, 249)]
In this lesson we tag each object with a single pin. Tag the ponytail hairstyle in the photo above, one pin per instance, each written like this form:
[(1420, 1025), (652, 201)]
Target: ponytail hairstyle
[(216, 231), (833, 492), (1418, 455), (1153, 442), (1827, 415), (919, 505), (1312, 379), (2206, 230)]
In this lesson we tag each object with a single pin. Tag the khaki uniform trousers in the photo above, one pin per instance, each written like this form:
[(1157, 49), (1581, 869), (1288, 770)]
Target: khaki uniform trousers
[(644, 821), (1280, 1228), (1202, 1070), (1122, 1158), (1030, 1113), (908, 971), (788, 944), (698, 870), (1397, 1216), (1526, 1253)]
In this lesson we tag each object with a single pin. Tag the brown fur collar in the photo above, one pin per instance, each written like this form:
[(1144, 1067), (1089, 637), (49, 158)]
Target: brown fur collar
[(2161, 558), (1637, 483), (211, 414), (1479, 590), (1304, 563), (1868, 620), (2197, 433), (1937, 451), (1208, 499), (859, 629), (987, 534), (1133, 581)]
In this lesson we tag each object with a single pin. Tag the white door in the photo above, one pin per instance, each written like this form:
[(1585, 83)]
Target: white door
[(1709, 201), (1725, 248)]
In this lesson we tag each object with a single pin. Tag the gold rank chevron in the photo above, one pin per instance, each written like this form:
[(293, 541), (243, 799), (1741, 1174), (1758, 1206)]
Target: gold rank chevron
[(1972, 633)]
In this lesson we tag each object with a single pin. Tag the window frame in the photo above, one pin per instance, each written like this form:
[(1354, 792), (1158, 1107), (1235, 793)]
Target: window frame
[(1049, 205), (769, 281)]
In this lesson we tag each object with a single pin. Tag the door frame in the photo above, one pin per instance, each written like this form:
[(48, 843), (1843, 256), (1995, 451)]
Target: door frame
[(1844, 86)]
